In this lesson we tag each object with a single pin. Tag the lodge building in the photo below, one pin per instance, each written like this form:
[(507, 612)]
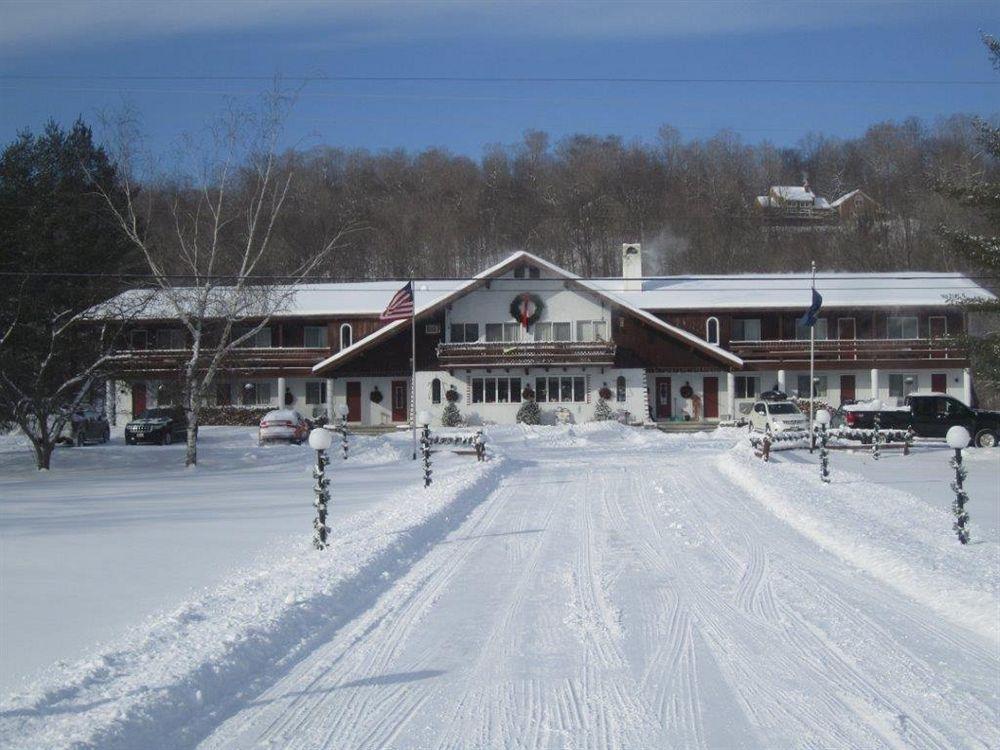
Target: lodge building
[(667, 348)]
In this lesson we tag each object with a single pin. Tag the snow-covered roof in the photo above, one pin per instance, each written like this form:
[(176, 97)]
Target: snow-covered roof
[(845, 197), (776, 291), (793, 193)]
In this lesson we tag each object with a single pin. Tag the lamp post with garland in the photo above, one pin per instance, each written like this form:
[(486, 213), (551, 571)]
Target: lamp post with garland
[(320, 440), (424, 421), (342, 411), (822, 425), (958, 438)]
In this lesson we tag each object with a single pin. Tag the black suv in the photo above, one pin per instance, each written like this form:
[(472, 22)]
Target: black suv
[(162, 425), (86, 425)]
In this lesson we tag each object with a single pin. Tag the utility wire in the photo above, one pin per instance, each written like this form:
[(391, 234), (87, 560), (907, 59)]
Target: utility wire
[(508, 79)]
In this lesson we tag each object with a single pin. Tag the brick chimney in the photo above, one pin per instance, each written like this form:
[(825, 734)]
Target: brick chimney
[(632, 266)]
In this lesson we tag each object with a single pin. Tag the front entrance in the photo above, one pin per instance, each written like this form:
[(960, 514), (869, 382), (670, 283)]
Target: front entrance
[(847, 390), (939, 382), (711, 388), (138, 399), (663, 410), (400, 393), (353, 401)]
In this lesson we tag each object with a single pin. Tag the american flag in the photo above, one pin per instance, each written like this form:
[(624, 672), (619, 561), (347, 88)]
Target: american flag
[(401, 304)]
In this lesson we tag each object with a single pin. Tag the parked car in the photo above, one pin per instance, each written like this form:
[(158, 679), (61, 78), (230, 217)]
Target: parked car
[(282, 425), (930, 415), (162, 425), (85, 425), (776, 415)]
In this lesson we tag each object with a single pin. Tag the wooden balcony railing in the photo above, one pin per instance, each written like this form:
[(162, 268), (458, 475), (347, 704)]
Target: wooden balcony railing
[(250, 358), (846, 350), (528, 353)]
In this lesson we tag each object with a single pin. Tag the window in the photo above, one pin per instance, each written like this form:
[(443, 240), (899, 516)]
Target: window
[(436, 391), (746, 329), (901, 385), (620, 389), (503, 331), (564, 389), (170, 338), (314, 337), (526, 271), (464, 332), (553, 332), (746, 387), (902, 327), (346, 335), (712, 330), (256, 394), (819, 386), (315, 392), (139, 339), (591, 330), (258, 340), (496, 390), (937, 326), (802, 331)]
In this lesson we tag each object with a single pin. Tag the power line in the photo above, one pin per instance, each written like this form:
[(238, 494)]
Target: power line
[(510, 79)]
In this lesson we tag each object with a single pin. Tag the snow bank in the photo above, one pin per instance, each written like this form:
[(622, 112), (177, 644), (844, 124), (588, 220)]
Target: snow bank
[(889, 534), (182, 673)]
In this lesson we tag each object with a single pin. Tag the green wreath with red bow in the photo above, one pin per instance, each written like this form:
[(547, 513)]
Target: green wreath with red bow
[(526, 308)]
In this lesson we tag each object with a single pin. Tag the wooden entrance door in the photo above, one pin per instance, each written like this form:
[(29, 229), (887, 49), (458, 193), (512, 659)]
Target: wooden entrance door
[(939, 382), (138, 399), (663, 410), (711, 388), (400, 393), (847, 389), (353, 401)]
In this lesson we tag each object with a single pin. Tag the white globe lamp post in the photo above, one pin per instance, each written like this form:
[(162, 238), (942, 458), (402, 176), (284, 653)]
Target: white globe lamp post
[(424, 420), (823, 423), (958, 438), (319, 441)]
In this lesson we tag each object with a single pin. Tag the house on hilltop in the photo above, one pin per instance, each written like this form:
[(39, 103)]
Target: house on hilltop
[(794, 204)]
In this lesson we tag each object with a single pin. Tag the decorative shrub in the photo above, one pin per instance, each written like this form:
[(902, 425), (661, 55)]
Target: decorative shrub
[(451, 416), (602, 412), (529, 413), (233, 416)]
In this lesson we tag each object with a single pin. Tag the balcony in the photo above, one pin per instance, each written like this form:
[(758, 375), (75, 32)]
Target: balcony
[(249, 358), (849, 350), (525, 353)]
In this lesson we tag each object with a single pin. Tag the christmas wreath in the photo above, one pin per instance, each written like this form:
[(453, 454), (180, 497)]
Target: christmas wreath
[(451, 395), (687, 391), (528, 394), (605, 393), (376, 396), (526, 308)]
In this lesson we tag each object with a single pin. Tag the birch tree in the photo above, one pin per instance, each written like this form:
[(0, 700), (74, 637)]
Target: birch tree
[(208, 241)]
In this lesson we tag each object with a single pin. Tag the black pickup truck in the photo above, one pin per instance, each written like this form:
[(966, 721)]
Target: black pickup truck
[(930, 415)]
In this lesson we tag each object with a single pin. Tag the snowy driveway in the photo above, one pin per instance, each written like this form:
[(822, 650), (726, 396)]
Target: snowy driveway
[(630, 596), (592, 588)]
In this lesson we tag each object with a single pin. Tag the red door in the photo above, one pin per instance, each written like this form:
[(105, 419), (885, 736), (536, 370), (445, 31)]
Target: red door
[(353, 401), (138, 399), (399, 399), (663, 398), (939, 382), (847, 392), (711, 388)]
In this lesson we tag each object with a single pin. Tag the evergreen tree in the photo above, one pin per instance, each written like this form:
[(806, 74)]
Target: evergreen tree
[(981, 248), (54, 221)]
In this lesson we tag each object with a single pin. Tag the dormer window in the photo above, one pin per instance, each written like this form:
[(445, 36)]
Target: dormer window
[(527, 272)]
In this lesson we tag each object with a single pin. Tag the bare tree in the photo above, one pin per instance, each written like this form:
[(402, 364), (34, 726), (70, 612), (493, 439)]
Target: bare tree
[(208, 241)]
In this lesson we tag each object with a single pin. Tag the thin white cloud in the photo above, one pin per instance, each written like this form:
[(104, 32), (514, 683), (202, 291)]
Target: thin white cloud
[(29, 24)]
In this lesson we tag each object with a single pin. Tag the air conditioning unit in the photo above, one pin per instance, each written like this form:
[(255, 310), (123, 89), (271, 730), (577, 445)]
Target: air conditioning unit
[(432, 329)]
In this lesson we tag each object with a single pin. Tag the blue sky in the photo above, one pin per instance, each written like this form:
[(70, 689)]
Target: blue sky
[(927, 41)]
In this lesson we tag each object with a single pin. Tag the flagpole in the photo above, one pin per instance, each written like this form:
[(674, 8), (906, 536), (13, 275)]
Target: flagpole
[(413, 370), (812, 370)]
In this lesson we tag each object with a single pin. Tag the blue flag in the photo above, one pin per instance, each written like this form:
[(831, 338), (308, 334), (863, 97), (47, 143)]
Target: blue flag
[(809, 319)]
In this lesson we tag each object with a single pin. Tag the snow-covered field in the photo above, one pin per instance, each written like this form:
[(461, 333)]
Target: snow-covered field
[(592, 586)]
